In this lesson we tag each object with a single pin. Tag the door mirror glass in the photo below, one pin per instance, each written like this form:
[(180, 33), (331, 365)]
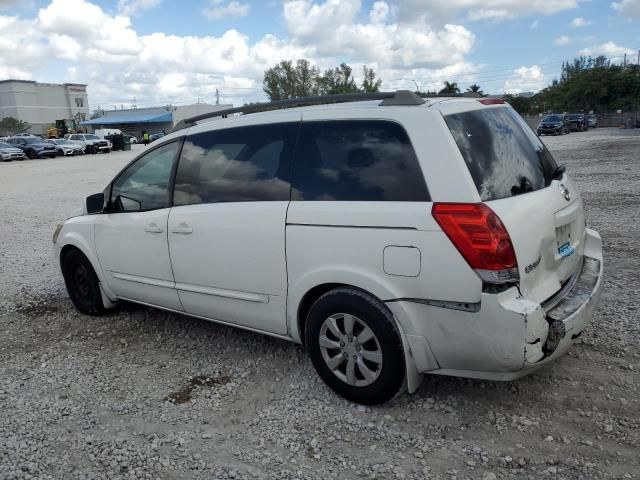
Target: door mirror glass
[(95, 203)]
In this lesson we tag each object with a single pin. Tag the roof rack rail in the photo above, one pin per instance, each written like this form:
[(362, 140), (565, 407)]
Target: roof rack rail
[(400, 97)]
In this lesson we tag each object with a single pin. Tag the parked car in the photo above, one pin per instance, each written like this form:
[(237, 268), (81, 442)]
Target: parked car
[(132, 138), (9, 152), (91, 143), (24, 135), (155, 136), (66, 147), (392, 238), (33, 147), (555, 124), (578, 122), (592, 121)]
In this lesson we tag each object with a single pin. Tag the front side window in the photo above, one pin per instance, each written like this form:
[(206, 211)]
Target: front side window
[(503, 155), (244, 164), (75, 137), (144, 185), (356, 160)]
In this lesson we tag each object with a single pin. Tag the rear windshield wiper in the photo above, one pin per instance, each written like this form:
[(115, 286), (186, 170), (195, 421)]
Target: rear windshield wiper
[(558, 172)]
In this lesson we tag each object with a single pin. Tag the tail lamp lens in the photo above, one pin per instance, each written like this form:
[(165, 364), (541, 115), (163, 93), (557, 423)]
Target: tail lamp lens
[(481, 237)]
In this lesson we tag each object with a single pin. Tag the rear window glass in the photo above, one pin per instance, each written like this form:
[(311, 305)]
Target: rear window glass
[(504, 156)]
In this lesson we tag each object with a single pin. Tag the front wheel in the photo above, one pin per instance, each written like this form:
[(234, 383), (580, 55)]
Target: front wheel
[(355, 346), (82, 283), (32, 154)]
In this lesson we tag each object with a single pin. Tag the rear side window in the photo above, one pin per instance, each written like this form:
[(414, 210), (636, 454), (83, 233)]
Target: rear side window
[(504, 156), (245, 164), (356, 160)]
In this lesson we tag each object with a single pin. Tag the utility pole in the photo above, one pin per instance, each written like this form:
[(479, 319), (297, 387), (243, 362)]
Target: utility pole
[(134, 105), (218, 95), (624, 65)]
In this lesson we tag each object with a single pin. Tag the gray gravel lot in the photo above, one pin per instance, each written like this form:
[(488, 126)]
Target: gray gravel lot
[(141, 393)]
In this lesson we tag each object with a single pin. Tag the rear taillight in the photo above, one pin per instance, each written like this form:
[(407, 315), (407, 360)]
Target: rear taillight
[(479, 235)]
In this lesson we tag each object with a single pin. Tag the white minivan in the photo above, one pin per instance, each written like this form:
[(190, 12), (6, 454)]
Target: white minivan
[(393, 237)]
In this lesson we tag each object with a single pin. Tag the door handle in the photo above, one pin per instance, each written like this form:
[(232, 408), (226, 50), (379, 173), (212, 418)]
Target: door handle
[(153, 228), (182, 228)]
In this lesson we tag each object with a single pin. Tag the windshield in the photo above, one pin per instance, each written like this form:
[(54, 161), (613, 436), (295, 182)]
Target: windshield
[(504, 156), (32, 140), (575, 116), (62, 141), (552, 118), (91, 137)]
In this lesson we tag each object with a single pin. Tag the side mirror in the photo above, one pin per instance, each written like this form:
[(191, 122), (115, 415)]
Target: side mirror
[(95, 203)]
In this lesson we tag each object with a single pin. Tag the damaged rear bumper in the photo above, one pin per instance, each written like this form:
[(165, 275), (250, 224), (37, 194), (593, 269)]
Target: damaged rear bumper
[(510, 336)]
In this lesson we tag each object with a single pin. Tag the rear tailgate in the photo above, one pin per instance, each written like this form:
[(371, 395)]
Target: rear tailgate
[(547, 232), (517, 177)]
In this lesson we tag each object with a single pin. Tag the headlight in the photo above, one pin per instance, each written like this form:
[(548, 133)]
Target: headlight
[(56, 232)]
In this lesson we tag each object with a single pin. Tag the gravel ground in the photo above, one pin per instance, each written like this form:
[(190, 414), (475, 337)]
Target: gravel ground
[(145, 394)]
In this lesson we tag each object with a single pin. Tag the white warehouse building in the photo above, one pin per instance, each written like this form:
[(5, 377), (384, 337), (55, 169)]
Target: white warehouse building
[(41, 104)]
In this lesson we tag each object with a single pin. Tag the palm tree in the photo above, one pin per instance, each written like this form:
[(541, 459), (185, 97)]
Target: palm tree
[(450, 87), (475, 88)]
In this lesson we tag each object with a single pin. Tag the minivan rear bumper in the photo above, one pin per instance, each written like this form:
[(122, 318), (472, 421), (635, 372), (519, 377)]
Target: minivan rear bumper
[(509, 336)]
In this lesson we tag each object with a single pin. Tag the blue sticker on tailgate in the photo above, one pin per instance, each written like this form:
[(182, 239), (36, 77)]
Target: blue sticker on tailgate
[(565, 250)]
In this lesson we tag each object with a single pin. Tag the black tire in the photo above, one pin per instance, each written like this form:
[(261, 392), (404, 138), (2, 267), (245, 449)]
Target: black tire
[(82, 283), (31, 154), (374, 314)]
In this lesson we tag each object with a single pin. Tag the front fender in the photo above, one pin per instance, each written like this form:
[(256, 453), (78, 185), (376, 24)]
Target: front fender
[(79, 233)]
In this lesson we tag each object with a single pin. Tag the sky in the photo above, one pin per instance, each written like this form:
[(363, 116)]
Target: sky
[(159, 52)]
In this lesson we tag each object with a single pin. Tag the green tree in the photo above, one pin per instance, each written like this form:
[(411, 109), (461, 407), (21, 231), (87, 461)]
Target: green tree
[(287, 80), (11, 126), (522, 105), (302, 79), (475, 88), (587, 83), (338, 80), (450, 87), (369, 81)]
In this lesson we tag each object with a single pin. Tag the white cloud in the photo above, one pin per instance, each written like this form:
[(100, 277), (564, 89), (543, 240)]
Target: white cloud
[(133, 7), (233, 9), (442, 11), (628, 8), (330, 29), (563, 40), (379, 12), (608, 49), (525, 79), (534, 24), (580, 22), (22, 48)]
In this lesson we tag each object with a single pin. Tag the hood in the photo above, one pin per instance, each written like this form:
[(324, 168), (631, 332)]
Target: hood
[(10, 150)]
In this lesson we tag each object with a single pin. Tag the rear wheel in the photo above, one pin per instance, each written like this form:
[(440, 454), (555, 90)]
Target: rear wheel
[(355, 346), (82, 283), (31, 154)]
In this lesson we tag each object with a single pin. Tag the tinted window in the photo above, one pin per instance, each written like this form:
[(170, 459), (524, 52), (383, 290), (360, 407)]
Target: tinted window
[(503, 154), (5, 145), (144, 185), (356, 160), (245, 164), (553, 118), (75, 137)]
